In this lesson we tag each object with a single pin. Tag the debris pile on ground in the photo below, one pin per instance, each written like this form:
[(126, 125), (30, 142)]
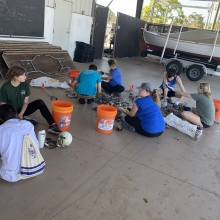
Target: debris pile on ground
[(170, 109), (125, 103)]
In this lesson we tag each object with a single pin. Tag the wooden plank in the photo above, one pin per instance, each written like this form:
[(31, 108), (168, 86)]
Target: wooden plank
[(3, 66), (21, 42), (5, 47), (42, 62)]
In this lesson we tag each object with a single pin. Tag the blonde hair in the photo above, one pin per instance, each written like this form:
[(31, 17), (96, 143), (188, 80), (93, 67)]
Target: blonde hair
[(206, 90), (155, 97)]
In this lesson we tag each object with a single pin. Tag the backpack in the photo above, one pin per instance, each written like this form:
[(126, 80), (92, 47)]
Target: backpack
[(32, 162)]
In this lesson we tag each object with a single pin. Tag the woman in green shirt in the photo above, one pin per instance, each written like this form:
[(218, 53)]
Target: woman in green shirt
[(204, 113), (16, 91)]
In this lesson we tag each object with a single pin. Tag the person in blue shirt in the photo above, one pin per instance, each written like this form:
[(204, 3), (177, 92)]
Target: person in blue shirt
[(87, 83), (170, 79), (145, 116), (115, 79)]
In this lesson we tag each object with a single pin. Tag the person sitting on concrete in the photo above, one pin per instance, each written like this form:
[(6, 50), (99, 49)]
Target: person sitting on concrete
[(204, 113), (115, 79), (145, 116), (16, 91), (168, 85), (11, 142), (88, 83)]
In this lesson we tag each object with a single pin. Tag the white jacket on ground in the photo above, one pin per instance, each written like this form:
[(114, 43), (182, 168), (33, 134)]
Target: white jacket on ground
[(11, 147)]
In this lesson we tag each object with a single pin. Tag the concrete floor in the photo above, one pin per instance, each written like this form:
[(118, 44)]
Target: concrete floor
[(106, 177)]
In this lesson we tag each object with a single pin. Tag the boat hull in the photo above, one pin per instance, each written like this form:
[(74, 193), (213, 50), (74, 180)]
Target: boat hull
[(157, 42)]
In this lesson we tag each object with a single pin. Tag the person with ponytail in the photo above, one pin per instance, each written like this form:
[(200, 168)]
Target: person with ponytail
[(145, 116), (204, 113)]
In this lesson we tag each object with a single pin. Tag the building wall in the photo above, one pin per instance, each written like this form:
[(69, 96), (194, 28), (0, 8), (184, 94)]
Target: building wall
[(50, 3), (58, 22), (83, 7), (74, 26), (80, 30)]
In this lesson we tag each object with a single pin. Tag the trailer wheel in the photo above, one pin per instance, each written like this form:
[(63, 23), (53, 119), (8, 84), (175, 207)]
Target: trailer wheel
[(195, 72), (175, 65)]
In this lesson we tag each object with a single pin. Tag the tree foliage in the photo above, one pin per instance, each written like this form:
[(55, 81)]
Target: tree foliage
[(217, 26), (111, 17), (194, 20), (160, 12)]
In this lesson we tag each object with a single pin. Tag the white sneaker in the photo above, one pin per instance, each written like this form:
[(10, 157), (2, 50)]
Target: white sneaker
[(198, 133)]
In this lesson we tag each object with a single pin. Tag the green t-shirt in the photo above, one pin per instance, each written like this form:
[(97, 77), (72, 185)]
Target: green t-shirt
[(14, 95), (205, 107)]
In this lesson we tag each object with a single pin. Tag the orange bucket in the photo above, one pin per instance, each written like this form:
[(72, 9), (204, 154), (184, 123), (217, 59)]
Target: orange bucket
[(72, 74), (61, 113), (217, 108), (105, 118)]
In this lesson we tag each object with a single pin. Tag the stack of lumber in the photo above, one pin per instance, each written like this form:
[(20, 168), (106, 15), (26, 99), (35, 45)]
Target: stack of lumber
[(38, 58)]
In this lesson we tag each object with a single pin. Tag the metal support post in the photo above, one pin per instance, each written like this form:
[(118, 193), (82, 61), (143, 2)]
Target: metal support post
[(168, 35), (178, 40), (139, 8), (214, 46)]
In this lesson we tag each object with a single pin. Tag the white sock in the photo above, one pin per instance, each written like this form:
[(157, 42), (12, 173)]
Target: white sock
[(177, 103)]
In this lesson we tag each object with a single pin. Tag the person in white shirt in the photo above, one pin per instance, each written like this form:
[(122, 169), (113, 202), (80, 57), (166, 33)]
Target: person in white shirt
[(11, 142)]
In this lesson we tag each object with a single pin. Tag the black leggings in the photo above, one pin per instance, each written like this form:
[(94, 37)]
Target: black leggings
[(39, 104), (109, 89), (135, 122)]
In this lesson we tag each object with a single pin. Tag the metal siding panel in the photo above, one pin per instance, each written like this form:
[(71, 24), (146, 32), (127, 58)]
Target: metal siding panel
[(101, 15), (78, 6), (127, 39), (82, 6), (88, 7), (51, 3), (73, 6)]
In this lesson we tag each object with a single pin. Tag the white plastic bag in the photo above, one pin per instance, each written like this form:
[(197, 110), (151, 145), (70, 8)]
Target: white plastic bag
[(49, 82), (183, 126)]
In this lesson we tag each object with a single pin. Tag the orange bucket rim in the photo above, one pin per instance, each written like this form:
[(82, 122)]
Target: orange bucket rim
[(56, 107), (101, 107)]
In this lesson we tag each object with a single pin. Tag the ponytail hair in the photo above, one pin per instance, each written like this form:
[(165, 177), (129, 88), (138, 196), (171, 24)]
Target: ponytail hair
[(205, 87), (156, 97)]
